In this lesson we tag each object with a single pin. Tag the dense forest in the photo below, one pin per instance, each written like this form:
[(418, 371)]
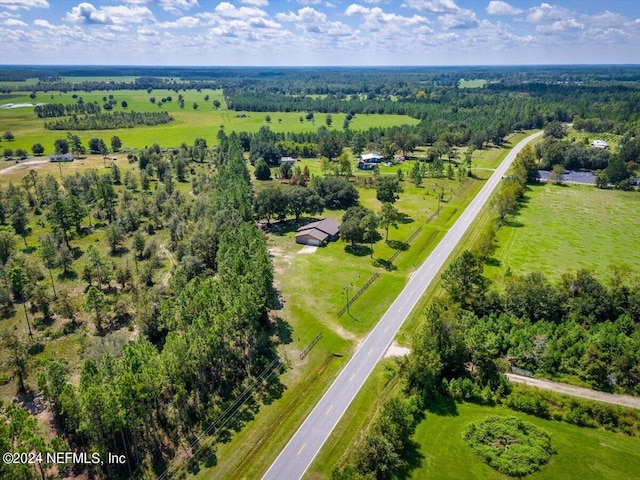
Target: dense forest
[(203, 341)]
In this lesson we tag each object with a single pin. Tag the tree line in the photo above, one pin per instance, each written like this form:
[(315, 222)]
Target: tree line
[(109, 121)]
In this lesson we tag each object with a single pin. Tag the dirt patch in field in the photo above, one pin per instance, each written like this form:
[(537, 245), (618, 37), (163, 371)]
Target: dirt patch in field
[(396, 350), (307, 249), (22, 166)]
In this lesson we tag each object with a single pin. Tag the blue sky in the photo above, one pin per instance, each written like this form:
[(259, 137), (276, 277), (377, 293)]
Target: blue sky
[(319, 32)]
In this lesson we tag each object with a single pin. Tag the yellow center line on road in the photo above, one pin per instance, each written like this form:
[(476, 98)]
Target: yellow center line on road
[(387, 328), (301, 448), (329, 409), (352, 376), (370, 350)]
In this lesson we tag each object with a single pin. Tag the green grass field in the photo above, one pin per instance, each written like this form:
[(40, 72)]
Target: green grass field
[(579, 453), (563, 228), (473, 83), (442, 454), (188, 123)]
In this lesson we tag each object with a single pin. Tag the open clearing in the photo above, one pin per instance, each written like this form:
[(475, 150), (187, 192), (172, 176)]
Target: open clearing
[(563, 228), (579, 453)]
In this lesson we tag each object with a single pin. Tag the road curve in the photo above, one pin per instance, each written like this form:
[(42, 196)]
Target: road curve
[(295, 458)]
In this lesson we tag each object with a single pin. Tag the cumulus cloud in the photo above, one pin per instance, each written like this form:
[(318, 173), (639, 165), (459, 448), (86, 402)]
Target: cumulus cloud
[(377, 15), (13, 22), (547, 13), (432, 6), (24, 4), (182, 22), (86, 13), (463, 19), (255, 3), (312, 21), (561, 26), (174, 6), (498, 7), (228, 10)]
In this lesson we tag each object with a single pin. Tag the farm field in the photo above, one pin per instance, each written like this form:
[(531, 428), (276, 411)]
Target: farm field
[(188, 124), (563, 228)]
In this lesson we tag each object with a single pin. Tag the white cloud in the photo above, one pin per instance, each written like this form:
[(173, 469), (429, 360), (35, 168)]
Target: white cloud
[(547, 13), (228, 10), (24, 4), (561, 26), (182, 22), (462, 19), (498, 7), (312, 21), (309, 2), (432, 6), (174, 6), (255, 3), (13, 22), (86, 13), (377, 15)]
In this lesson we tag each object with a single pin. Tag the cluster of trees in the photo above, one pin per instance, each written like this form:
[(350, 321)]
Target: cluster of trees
[(278, 202), (199, 347), (49, 110), (576, 328), (109, 121), (381, 450)]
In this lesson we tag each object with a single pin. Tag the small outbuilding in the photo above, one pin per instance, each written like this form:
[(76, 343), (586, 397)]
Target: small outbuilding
[(288, 160), (318, 233), (601, 144), (65, 157)]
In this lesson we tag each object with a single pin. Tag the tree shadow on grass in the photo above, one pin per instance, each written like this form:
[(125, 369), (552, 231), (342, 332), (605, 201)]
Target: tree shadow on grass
[(413, 458), (357, 250), (493, 262), (398, 245), (404, 218), (282, 329), (386, 264), (442, 406)]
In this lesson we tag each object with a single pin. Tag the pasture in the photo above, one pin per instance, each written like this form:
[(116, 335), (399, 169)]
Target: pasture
[(189, 123), (564, 228), (579, 453)]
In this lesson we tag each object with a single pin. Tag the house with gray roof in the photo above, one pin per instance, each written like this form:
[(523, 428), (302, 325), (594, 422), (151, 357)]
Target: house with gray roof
[(318, 233)]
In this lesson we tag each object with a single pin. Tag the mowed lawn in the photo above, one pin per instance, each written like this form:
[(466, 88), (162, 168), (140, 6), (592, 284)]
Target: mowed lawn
[(564, 228), (579, 453)]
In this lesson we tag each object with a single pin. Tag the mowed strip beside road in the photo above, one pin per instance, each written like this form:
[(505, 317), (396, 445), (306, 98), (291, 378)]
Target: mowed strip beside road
[(295, 458)]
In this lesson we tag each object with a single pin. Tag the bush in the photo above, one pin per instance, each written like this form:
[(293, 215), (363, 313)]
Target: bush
[(510, 445)]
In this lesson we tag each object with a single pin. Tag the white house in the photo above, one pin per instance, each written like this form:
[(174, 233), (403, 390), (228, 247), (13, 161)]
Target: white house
[(600, 144), (371, 158), (288, 160)]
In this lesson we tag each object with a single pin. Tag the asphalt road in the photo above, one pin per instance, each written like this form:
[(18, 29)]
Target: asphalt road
[(295, 458)]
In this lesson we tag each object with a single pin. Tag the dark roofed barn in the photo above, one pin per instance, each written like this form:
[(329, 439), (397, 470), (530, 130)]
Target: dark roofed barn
[(318, 233)]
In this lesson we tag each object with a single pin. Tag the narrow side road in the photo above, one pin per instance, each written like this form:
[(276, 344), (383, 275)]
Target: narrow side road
[(615, 399), (295, 458)]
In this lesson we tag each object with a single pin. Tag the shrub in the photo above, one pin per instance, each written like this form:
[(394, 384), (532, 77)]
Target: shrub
[(510, 445)]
